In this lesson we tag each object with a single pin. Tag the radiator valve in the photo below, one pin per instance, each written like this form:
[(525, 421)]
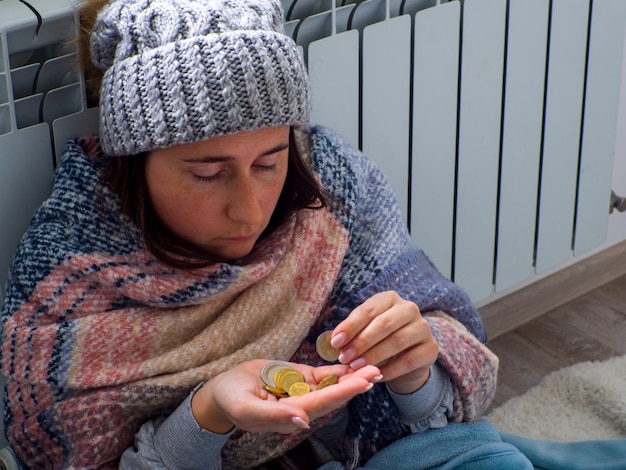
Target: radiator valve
[(617, 202)]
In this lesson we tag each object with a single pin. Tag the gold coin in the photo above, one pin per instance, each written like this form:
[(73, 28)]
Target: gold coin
[(277, 392), (285, 378), (298, 389), (330, 380), (324, 349)]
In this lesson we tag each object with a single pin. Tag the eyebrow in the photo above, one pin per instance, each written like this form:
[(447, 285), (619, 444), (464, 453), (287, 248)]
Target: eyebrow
[(226, 158)]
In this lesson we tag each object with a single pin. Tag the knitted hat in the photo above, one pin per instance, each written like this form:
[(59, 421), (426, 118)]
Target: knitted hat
[(180, 71)]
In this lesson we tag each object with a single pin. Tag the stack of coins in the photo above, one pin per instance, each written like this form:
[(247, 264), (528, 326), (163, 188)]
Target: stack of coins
[(282, 380)]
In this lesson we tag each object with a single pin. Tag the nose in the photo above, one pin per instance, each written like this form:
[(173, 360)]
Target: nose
[(245, 205)]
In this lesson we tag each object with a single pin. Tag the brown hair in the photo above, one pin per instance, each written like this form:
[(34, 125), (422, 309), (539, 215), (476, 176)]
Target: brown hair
[(126, 178), (87, 19)]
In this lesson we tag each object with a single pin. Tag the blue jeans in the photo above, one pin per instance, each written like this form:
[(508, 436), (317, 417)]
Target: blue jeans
[(467, 446), (609, 454)]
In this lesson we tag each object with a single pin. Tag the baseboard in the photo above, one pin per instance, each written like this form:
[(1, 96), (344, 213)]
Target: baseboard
[(532, 301)]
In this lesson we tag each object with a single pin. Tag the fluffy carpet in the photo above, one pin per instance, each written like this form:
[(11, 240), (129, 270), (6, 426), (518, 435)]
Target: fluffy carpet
[(581, 402)]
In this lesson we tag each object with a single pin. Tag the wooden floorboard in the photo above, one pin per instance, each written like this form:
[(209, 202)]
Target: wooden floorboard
[(537, 299), (589, 328)]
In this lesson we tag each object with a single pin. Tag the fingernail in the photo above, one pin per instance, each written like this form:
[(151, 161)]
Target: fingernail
[(358, 363), (299, 422), (377, 379), (369, 387), (339, 340), (347, 355)]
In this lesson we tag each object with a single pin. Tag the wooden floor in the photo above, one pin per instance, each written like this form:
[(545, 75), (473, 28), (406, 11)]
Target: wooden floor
[(589, 328)]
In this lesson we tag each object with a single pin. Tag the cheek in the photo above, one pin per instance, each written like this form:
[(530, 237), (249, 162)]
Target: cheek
[(167, 195), (173, 211), (274, 192), (276, 189), (187, 216)]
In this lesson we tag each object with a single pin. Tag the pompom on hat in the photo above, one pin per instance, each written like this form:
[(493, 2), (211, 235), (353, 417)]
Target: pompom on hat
[(180, 71)]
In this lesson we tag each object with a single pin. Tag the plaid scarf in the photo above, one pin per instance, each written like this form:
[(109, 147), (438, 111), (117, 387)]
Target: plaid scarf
[(99, 337)]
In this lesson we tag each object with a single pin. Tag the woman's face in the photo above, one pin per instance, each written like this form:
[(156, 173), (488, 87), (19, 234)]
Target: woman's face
[(220, 194)]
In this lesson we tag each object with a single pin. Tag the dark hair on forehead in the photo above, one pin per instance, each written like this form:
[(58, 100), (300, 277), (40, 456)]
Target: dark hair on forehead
[(126, 178)]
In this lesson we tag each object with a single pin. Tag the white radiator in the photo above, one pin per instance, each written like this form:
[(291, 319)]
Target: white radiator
[(42, 104), (494, 120)]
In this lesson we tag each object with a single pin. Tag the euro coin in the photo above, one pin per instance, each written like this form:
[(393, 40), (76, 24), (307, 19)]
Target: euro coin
[(269, 371), (277, 392), (285, 378), (324, 349), (282, 380), (298, 389), (330, 380)]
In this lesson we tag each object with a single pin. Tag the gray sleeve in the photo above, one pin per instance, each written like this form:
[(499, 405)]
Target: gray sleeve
[(430, 406), (175, 442)]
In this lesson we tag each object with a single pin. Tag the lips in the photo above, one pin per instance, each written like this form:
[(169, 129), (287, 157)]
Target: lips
[(242, 237)]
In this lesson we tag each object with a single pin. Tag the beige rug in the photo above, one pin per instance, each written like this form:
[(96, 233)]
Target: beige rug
[(582, 402)]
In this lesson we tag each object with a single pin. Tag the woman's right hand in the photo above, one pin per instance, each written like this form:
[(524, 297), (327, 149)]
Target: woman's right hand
[(237, 398)]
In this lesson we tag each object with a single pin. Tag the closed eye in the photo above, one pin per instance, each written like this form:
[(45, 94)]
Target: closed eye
[(267, 167), (206, 179), (218, 175)]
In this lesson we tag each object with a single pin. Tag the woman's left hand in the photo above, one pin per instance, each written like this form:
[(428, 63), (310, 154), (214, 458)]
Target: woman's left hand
[(390, 332)]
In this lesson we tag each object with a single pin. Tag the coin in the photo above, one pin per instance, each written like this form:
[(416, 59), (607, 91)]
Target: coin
[(282, 380), (330, 380), (324, 349), (277, 392), (298, 389), (269, 371), (285, 378)]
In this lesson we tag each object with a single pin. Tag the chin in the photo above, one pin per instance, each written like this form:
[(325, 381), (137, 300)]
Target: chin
[(230, 254)]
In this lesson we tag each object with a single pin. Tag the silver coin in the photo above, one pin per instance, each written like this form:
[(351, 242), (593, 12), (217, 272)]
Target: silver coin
[(324, 349), (268, 372)]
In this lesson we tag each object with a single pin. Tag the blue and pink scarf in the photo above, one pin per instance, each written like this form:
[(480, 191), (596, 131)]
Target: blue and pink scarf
[(99, 337)]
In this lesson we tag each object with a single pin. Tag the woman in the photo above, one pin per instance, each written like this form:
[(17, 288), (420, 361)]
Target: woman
[(206, 233)]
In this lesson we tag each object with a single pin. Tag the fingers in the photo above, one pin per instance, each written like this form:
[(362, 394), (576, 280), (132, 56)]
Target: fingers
[(315, 375), (408, 371), (381, 328), (288, 414), (260, 411), (362, 316), (321, 402), (386, 336), (272, 416)]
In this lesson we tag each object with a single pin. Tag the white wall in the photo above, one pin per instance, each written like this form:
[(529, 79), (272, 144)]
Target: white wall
[(617, 221)]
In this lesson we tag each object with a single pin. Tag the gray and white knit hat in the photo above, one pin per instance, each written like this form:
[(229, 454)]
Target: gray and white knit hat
[(180, 71)]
